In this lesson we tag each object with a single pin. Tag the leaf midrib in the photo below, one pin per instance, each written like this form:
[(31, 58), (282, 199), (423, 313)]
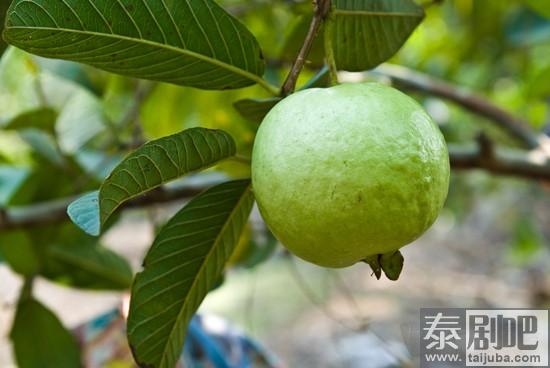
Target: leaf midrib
[(375, 13), (219, 63), (245, 194), (103, 219)]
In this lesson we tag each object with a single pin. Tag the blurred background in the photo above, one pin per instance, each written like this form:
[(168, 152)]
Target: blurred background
[(63, 127)]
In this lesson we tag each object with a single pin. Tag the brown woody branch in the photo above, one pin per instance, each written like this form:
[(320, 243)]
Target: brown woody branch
[(52, 212), (321, 10), (484, 156), (413, 80), (499, 162)]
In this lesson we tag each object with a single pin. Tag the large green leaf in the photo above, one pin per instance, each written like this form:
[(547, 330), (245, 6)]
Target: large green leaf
[(40, 340), (148, 167), (87, 266), (187, 42), (184, 263), (366, 33)]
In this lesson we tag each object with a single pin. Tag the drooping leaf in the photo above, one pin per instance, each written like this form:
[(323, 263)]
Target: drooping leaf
[(40, 340), (193, 43), (255, 109), (150, 166), (87, 266), (253, 249), (184, 263), (368, 32)]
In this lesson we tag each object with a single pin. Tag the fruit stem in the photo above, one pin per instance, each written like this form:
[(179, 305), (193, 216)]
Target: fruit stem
[(329, 49), (321, 10)]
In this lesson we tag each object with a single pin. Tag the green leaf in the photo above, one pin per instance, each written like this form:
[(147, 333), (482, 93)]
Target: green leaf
[(12, 180), (184, 263), (18, 78), (366, 33), (189, 42), (3, 8), (88, 266), (392, 264), (320, 80), (255, 109), (81, 119), (541, 7), (44, 145), (42, 118), (17, 250), (40, 340), (150, 166)]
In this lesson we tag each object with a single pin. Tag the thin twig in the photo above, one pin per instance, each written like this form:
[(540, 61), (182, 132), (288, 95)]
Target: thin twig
[(410, 79), (321, 9)]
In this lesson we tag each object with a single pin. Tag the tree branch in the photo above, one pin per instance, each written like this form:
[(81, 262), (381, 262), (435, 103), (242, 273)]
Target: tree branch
[(410, 79), (321, 10), (498, 161), (55, 211), (483, 156)]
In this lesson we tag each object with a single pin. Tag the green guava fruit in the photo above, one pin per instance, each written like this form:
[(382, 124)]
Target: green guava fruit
[(345, 173)]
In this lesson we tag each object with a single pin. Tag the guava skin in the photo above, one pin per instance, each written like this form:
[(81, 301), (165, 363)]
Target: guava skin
[(348, 172)]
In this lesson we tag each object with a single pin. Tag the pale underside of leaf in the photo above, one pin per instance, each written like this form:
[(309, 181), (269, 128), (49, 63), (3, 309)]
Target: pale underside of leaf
[(155, 163), (366, 33), (193, 43), (183, 264)]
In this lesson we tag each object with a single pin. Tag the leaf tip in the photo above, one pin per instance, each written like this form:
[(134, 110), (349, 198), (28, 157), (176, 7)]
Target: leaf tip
[(84, 212)]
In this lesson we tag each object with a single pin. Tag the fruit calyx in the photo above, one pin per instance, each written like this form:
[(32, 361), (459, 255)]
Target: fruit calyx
[(391, 263)]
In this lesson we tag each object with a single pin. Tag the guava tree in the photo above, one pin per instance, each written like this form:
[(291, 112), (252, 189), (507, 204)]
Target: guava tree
[(112, 127)]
